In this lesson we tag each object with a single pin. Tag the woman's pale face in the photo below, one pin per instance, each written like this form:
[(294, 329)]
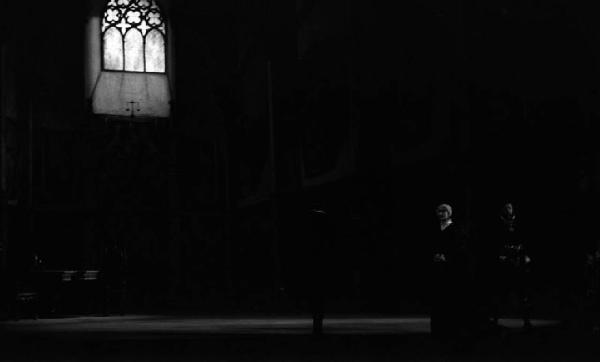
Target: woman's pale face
[(508, 208), (443, 214)]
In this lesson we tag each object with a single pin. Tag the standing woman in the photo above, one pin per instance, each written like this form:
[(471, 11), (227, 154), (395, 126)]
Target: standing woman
[(451, 277)]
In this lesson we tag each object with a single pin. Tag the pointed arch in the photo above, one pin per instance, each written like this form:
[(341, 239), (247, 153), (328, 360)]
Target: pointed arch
[(112, 49)]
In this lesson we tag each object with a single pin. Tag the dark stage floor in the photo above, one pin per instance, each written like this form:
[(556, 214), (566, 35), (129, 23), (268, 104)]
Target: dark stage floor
[(281, 338)]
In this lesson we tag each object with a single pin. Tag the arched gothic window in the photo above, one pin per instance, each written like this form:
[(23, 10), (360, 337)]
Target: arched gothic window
[(133, 37), (128, 60)]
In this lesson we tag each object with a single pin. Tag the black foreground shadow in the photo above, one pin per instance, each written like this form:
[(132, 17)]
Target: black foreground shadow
[(282, 338)]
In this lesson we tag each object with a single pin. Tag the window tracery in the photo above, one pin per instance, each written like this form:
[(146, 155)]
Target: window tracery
[(133, 37)]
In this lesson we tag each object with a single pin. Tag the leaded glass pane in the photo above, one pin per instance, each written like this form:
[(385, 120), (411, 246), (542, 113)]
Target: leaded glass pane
[(113, 50), (142, 26), (155, 52), (134, 51)]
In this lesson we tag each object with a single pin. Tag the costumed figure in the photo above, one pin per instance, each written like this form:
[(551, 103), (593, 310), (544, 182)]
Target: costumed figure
[(513, 266), (451, 278)]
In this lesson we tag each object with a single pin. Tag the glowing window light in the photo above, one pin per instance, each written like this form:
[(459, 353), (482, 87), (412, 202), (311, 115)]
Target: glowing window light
[(155, 52), (133, 35)]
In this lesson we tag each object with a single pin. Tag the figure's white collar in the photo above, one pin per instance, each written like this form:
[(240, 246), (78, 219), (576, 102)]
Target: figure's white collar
[(445, 224)]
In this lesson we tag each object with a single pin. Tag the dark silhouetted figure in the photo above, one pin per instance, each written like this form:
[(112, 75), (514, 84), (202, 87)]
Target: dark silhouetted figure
[(113, 274), (512, 266), (592, 289), (321, 234), (451, 278)]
